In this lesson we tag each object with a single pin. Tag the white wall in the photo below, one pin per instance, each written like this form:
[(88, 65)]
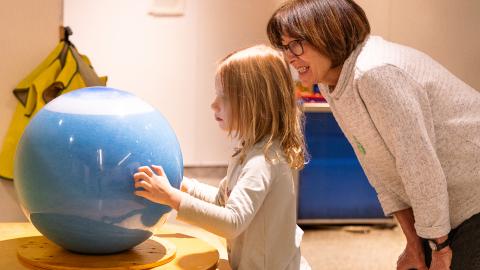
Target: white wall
[(29, 30), (170, 61)]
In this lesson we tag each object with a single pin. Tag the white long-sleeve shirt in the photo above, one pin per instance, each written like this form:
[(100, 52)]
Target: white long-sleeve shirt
[(254, 208), (415, 129)]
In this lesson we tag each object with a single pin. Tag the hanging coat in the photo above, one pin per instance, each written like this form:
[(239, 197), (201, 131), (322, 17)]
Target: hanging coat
[(62, 71)]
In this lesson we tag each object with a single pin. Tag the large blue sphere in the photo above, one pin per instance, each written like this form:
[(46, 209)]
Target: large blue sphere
[(74, 169)]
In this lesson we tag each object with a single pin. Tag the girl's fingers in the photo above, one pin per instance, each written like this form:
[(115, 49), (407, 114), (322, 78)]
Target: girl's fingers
[(141, 176), (143, 184), (158, 170), (142, 193), (146, 170)]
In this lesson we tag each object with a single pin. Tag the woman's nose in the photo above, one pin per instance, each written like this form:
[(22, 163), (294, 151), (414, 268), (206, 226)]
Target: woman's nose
[(289, 56)]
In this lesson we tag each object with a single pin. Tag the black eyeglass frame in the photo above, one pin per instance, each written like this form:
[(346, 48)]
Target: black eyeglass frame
[(289, 46)]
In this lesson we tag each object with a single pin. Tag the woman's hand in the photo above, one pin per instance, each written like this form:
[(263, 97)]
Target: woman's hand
[(412, 257), (442, 259), (156, 186)]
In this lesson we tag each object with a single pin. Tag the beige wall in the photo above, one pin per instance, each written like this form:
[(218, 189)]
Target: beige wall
[(28, 32), (446, 30), (170, 61)]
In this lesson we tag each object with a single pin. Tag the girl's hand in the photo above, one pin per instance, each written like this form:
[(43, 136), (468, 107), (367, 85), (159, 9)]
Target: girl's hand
[(156, 186), (442, 259)]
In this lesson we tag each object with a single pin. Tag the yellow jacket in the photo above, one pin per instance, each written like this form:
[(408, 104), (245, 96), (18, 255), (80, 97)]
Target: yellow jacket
[(62, 71)]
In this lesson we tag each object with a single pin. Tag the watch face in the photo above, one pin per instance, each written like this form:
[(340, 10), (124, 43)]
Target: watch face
[(432, 245)]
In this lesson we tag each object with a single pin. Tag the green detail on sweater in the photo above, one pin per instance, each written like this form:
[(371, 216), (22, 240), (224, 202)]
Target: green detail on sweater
[(359, 146)]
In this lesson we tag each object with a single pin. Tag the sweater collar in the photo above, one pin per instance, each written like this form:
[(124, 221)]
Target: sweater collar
[(348, 69)]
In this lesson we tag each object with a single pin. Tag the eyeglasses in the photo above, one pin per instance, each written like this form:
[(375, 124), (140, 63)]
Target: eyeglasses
[(295, 47)]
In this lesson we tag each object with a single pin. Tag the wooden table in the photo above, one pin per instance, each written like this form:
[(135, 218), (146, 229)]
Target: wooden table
[(187, 256)]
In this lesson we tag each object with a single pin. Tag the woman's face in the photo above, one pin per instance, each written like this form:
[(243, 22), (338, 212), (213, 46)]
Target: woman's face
[(313, 67), (221, 107)]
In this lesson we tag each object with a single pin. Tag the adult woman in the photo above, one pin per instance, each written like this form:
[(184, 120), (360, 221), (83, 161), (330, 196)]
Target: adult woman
[(414, 126)]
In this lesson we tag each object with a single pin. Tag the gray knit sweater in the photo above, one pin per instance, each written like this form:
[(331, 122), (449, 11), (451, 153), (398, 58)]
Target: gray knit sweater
[(415, 129)]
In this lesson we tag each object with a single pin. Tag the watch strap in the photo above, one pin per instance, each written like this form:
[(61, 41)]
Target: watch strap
[(439, 246)]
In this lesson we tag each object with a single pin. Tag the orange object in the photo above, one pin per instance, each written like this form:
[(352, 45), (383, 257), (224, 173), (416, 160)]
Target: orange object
[(308, 94)]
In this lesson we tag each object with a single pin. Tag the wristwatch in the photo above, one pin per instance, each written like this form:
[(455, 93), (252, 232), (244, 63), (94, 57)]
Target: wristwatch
[(438, 246)]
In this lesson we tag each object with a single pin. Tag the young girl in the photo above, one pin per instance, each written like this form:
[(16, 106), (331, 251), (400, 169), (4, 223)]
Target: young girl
[(254, 207)]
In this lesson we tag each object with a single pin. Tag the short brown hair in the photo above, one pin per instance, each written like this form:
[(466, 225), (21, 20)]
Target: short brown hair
[(334, 27), (258, 86)]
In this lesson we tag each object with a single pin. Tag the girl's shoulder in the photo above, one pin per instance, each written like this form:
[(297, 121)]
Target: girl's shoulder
[(265, 155), (266, 166), (260, 154)]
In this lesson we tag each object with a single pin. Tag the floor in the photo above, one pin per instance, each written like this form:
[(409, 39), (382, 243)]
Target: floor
[(329, 247)]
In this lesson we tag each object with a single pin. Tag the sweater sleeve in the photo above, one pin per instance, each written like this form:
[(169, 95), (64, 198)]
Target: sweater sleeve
[(240, 208), (390, 201), (206, 192), (400, 110)]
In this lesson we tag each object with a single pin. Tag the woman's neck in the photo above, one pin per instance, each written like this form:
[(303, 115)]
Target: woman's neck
[(331, 79)]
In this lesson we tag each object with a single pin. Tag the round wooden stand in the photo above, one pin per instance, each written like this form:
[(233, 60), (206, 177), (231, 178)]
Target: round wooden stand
[(23, 248), (41, 252)]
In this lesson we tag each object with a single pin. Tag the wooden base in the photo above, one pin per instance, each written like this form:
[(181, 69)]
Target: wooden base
[(195, 249), (41, 252)]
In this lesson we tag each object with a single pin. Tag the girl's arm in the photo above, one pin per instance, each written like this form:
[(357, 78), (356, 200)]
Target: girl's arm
[(203, 191), (240, 208), (229, 221)]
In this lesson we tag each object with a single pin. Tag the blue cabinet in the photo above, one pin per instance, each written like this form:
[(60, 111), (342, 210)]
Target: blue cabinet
[(332, 187)]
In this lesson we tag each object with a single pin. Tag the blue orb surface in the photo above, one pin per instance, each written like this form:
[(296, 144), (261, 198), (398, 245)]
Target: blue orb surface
[(74, 169)]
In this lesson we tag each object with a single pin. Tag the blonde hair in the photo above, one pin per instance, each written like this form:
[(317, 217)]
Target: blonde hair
[(258, 85), (333, 27)]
